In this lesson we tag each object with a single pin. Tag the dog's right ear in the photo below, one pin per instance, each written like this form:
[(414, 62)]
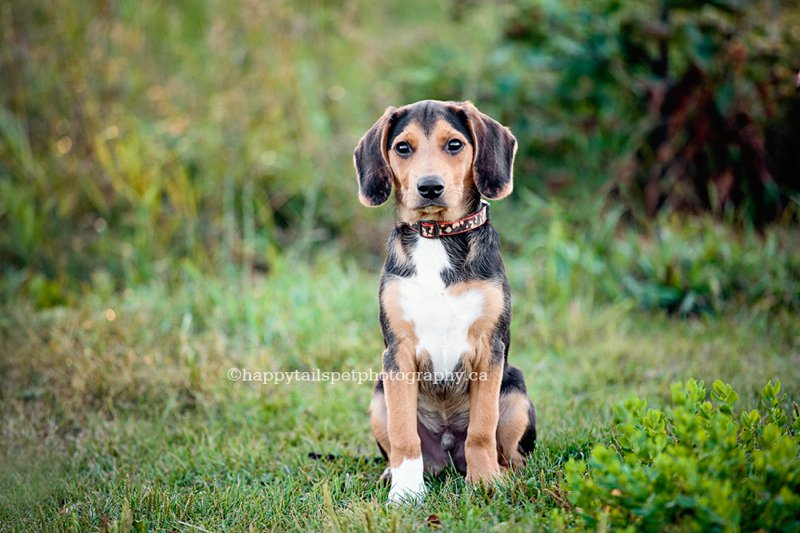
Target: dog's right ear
[(372, 163)]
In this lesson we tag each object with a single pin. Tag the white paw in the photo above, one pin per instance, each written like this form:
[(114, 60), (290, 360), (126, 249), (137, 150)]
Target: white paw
[(407, 482)]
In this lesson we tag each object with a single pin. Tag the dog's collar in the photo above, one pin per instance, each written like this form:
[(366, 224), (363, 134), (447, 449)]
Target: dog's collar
[(434, 229)]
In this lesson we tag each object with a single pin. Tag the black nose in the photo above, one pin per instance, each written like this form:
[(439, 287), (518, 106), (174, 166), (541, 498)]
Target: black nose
[(430, 187)]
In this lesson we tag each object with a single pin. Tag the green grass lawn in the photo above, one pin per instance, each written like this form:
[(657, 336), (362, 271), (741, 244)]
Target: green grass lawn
[(118, 411)]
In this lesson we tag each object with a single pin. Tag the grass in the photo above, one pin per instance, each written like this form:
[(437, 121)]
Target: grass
[(117, 412)]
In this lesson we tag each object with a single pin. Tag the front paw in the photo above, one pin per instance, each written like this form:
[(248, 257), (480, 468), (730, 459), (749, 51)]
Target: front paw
[(407, 495), (408, 484), (482, 467), (486, 476)]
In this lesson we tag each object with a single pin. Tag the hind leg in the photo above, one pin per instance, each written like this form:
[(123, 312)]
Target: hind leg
[(377, 420), (516, 428)]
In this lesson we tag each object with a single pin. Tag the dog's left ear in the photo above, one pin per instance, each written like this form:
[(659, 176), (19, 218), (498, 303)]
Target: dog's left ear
[(495, 148), (372, 163)]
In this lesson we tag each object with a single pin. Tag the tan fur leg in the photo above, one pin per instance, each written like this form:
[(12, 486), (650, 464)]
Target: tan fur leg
[(401, 419), (401, 389), (405, 455), (513, 422), (481, 444), (480, 448)]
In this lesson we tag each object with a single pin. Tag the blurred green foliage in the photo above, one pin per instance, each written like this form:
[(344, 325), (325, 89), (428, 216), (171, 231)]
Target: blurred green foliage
[(136, 135), (144, 139), (684, 267)]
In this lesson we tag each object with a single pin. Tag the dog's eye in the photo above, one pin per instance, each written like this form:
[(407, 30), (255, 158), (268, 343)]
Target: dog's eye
[(403, 149), (454, 146)]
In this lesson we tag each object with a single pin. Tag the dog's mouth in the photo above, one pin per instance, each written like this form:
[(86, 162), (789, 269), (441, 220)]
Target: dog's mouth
[(431, 206)]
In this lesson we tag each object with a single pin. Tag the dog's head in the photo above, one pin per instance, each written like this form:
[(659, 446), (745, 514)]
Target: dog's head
[(440, 157)]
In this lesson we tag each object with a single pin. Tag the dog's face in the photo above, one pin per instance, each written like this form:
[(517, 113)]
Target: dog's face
[(432, 165), (439, 156)]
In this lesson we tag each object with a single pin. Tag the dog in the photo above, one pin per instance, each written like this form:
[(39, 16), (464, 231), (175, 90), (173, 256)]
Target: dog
[(447, 394)]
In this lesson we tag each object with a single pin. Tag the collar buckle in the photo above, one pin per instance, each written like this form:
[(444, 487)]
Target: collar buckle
[(424, 225)]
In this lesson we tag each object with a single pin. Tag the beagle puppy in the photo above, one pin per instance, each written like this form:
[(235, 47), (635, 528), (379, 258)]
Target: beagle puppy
[(447, 394)]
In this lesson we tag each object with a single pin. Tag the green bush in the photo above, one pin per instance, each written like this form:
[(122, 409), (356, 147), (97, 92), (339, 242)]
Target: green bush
[(682, 105), (700, 465)]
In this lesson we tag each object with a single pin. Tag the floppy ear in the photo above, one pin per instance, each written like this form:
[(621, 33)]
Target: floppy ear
[(495, 148), (371, 160)]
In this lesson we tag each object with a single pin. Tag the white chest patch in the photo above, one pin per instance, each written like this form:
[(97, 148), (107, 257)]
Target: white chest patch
[(441, 320)]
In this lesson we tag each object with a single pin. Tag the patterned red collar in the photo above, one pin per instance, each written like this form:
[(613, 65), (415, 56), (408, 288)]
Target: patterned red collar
[(432, 229)]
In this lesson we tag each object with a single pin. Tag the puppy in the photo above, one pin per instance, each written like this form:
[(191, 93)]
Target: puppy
[(447, 394)]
